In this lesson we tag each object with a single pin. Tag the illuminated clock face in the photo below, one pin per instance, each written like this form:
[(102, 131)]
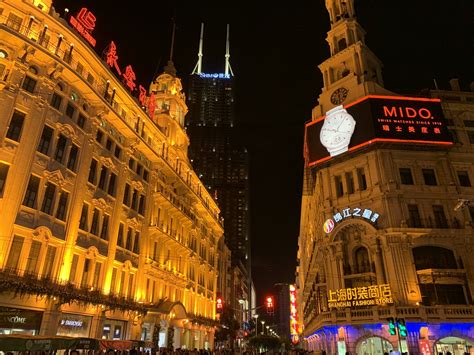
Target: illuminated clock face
[(337, 131), (339, 95)]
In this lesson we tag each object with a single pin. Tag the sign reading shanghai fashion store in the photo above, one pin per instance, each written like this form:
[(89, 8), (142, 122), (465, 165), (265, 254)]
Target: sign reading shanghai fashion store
[(372, 119), (357, 212), (374, 295)]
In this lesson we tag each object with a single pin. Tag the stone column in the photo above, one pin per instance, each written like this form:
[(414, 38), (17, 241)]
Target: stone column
[(50, 321), (379, 269)]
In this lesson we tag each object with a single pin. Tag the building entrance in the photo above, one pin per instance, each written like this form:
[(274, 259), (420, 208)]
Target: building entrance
[(454, 346), (373, 346)]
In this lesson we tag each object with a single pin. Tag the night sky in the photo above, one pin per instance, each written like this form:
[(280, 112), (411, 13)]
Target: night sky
[(275, 51)]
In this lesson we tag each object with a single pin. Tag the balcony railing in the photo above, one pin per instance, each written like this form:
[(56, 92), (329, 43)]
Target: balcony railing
[(22, 283)]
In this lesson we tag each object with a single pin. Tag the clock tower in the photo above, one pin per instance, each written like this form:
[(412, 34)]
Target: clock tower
[(353, 70)]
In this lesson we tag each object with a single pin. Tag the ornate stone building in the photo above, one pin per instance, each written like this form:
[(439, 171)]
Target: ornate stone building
[(106, 230), (386, 228)]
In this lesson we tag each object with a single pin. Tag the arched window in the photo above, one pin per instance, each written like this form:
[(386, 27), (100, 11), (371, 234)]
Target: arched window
[(33, 70), (362, 262), (3, 54), (431, 257), (341, 44)]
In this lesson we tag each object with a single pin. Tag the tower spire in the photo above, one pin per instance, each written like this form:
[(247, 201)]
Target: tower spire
[(198, 67), (169, 68), (227, 55)]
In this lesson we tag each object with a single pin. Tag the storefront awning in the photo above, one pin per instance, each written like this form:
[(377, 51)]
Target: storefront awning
[(176, 309), (45, 343)]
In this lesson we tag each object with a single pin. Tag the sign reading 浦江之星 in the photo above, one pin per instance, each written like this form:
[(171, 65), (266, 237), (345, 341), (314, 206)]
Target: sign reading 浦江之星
[(363, 213), (373, 295)]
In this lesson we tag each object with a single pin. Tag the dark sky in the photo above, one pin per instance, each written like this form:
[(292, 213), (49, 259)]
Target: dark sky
[(275, 51)]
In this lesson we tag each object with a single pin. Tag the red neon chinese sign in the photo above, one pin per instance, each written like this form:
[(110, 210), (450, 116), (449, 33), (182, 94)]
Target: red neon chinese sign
[(112, 57), (84, 23), (130, 77)]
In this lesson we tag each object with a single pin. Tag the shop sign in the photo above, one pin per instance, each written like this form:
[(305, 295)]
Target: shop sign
[(426, 347), (357, 212), (294, 331), (73, 325), (215, 75), (84, 23), (20, 318), (374, 295)]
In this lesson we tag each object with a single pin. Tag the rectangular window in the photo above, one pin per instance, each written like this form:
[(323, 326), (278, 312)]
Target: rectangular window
[(60, 148), (112, 182), (14, 255), (131, 163), (104, 231), (350, 183), (84, 217), (29, 84), (108, 144), (90, 79), (31, 192), (70, 109), (62, 206), (128, 243), (95, 282), (361, 179), (139, 169), (92, 171), (130, 285), (136, 243), (16, 126), (33, 258), (49, 262), (3, 177), (45, 140), (145, 175), (56, 101), (85, 273), (120, 235), (117, 151), (339, 186), (113, 280), (14, 21), (463, 177), (134, 200), (141, 205), (71, 163), (95, 222), (99, 135), (102, 178), (414, 219), (126, 195), (48, 198), (429, 177), (406, 177), (81, 120), (122, 284), (72, 273), (440, 217)]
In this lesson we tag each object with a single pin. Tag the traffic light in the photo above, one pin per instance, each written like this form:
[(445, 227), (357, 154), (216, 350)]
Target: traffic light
[(219, 305), (392, 328), (402, 328), (269, 304)]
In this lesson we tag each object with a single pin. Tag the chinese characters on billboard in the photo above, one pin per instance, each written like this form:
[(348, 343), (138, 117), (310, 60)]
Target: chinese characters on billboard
[(374, 295), (294, 331), (384, 119), (365, 213)]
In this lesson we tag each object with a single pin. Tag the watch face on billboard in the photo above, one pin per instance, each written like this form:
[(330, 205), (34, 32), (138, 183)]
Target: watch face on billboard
[(383, 119)]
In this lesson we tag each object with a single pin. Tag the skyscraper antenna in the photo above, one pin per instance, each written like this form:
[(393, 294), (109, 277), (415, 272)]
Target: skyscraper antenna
[(198, 67), (227, 55), (172, 40)]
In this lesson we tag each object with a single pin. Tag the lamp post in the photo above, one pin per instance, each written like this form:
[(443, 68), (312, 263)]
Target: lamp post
[(256, 324), (263, 327)]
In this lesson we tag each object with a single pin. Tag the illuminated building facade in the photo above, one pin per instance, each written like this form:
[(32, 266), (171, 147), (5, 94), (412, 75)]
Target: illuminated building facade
[(383, 232), (106, 232), (217, 151)]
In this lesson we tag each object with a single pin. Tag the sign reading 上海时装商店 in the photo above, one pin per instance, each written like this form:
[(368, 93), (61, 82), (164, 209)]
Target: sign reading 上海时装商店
[(365, 213), (389, 119), (374, 295)]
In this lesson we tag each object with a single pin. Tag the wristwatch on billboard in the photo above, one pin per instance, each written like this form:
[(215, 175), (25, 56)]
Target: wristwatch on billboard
[(337, 130)]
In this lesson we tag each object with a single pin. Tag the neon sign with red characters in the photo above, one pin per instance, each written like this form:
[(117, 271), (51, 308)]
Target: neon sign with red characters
[(294, 329), (84, 23)]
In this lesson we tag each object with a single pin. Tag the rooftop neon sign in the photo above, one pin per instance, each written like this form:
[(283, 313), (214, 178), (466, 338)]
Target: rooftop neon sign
[(84, 23), (215, 76)]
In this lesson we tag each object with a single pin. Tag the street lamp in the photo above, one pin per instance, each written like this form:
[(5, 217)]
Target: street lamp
[(256, 324), (263, 327)]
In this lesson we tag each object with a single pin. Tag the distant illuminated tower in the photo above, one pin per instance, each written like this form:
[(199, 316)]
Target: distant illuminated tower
[(216, 150)]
